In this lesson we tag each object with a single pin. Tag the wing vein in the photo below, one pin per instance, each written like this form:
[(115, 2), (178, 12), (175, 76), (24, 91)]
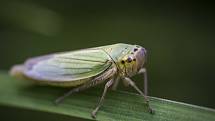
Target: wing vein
[(83, 59)]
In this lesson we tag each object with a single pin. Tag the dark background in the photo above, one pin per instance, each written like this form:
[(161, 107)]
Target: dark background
[(179, 37)]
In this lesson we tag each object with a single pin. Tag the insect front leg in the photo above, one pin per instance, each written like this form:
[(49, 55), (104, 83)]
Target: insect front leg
[(130, 82), (107, 85), (144, 72)]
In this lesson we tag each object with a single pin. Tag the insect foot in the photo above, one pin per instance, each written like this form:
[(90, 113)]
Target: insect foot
[(93, 114), (151, 111), (58, 101)]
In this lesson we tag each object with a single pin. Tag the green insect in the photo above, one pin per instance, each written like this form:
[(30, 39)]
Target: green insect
[(86, 68)]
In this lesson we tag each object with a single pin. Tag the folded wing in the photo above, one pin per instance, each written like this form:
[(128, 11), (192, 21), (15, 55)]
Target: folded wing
[(68, 66)]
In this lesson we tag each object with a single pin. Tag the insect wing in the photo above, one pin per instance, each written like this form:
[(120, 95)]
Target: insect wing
[(69, 66)]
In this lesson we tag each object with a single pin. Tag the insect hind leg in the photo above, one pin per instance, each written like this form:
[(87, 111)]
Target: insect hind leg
[(93, 82), (77, 89)]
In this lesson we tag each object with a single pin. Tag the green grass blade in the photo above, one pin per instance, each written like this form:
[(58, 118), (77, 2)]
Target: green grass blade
[(118, 106)]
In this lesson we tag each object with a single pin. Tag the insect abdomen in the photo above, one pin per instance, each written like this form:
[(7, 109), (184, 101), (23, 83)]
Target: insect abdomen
[(63, 84)]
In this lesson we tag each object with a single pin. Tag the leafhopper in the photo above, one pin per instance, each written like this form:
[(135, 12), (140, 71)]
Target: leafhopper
[(86, 68)]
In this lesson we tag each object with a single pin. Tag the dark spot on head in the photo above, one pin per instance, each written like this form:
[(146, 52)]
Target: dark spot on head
[(123, 62), (129, 59), (135, 49), (138, 46), (134, 59)]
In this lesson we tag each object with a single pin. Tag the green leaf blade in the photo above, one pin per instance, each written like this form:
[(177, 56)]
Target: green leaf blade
[(118, 105)]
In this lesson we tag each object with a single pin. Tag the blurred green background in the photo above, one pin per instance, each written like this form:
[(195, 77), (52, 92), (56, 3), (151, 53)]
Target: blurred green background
[(179, 37)]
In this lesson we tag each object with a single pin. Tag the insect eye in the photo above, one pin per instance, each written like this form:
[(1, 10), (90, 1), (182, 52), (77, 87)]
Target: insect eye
[(134, 59), (142, 49), (129, 59), (135, 49), (123, 62)]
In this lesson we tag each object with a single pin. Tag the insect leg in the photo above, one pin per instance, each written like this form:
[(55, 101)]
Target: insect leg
[(116, 83), (77, 89), (141, 93), (91, 83), (107, 85), (144, 72)]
